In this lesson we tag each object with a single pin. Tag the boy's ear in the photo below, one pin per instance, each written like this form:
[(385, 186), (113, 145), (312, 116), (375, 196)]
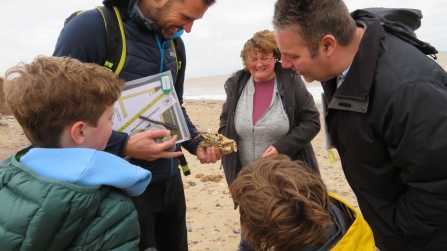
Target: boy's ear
[(77, 132)]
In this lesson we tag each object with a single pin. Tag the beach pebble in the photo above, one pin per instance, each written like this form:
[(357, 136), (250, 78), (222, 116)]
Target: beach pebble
[(194, 241), (200, 227), (236, 231), (189, 228), (3, 124)]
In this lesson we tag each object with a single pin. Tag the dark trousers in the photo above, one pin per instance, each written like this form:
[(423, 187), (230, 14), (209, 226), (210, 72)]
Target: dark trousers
[(162, 215)]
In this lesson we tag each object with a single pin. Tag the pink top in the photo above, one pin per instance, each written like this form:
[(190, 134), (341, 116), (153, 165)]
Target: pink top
[(262, 98)]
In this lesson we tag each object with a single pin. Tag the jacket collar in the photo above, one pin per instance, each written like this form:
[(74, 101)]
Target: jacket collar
[(359, 79), (353, 94), (138, 17)]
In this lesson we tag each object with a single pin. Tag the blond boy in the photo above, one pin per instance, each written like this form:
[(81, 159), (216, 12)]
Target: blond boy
[(61, 192)]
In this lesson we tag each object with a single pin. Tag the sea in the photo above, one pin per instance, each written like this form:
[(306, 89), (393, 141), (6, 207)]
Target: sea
[(212, 88)]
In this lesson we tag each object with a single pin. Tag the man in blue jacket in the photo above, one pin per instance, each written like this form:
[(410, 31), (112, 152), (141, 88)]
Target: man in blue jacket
[(149, 27)]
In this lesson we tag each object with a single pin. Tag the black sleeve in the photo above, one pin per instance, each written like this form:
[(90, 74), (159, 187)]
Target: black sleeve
[(414, 125), (307, 122)]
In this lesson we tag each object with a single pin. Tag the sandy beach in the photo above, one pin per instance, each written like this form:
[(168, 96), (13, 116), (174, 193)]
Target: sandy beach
[(212, 222)]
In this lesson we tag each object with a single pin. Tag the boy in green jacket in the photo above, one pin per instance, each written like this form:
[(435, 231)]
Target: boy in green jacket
[(64, 192)]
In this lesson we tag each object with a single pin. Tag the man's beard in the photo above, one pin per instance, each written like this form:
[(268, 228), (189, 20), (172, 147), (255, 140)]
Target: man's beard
[(154, 15)]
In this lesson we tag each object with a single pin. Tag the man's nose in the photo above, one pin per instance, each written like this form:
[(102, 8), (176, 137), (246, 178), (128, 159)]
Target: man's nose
[(285, 63), (188, 26)]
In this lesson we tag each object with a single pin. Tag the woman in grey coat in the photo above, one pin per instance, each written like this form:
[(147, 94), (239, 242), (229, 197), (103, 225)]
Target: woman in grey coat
[(268, 110)]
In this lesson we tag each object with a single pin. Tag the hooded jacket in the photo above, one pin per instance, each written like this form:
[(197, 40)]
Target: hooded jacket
[(84, 38), (388, 121), (89, 168), (356, 235), (304, 119), (39, 213)]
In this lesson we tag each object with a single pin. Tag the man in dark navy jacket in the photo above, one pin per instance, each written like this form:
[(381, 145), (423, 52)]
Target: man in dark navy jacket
[(149, 27), (387, 112)]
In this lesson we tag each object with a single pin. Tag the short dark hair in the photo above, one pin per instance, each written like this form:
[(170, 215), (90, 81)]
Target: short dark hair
[(283, 204), (313, 19)]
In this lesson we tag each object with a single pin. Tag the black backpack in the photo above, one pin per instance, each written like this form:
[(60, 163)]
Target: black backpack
[(402, 23)]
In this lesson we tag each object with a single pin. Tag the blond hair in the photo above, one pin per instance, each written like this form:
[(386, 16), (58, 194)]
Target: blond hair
[(51, 93), (283, 204), (262, 42)]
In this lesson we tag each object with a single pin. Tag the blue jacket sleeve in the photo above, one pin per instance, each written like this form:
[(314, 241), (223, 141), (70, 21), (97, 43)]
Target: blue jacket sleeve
[(190, 145), (84, 38)]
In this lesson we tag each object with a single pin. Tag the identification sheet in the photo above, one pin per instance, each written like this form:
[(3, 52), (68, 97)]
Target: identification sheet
[(154, 98)]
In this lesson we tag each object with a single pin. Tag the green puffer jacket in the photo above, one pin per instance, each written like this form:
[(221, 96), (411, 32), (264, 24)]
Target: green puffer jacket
[(38, 213)]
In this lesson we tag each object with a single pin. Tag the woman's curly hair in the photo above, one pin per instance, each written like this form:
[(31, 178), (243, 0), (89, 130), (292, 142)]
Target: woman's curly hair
[(262, 42), (283, 204)]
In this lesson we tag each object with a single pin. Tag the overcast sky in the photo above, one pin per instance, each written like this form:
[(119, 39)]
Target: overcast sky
[(29, 28)]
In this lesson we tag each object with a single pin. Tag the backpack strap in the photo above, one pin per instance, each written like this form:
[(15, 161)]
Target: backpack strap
[(115, 39), (177, 53)]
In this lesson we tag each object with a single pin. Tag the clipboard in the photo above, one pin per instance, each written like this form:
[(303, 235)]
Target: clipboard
[(154, 98)]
